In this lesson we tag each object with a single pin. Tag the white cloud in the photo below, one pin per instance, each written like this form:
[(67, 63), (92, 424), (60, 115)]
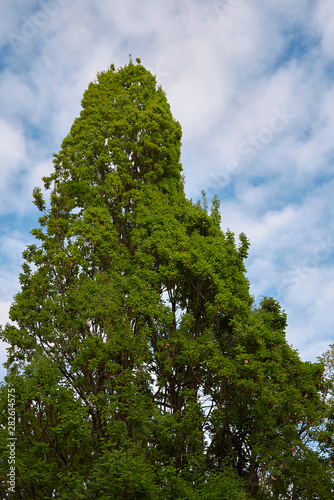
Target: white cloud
[(226, 74), (324, 20), (12, 155), (12, 148)]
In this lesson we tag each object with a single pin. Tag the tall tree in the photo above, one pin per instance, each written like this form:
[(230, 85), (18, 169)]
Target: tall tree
[(141, 367)]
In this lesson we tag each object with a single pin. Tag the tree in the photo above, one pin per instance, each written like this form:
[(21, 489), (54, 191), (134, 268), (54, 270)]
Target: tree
[(326, 431), (141, 367), (327, 358)]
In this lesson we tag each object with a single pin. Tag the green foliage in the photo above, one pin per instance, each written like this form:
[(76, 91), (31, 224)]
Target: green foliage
[(327, 358), (141, 367), (215, 211)]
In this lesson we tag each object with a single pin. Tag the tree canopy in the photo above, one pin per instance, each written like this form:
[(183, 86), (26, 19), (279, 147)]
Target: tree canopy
[(140, 363)]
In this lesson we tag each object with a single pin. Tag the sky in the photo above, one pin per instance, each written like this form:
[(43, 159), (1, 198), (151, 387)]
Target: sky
[(252, 85)]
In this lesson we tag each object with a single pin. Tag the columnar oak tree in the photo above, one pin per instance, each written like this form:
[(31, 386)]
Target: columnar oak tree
[(141, 367)]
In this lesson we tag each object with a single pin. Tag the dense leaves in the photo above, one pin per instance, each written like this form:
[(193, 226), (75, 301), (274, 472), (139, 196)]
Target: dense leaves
[(141, 366)]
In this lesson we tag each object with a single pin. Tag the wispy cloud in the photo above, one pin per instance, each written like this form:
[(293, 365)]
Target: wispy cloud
[(32, 25), (252, 85)]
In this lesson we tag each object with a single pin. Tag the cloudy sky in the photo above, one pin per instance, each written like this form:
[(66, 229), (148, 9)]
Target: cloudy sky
[(252, 84)]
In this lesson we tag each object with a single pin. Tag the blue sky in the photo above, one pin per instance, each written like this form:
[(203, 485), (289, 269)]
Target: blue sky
[(252, 84)]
